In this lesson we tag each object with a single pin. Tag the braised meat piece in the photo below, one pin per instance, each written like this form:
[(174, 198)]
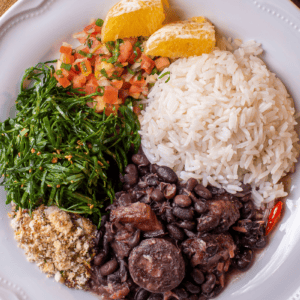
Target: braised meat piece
[(156, 265), (138, 214), (207, 251), (222, 213)]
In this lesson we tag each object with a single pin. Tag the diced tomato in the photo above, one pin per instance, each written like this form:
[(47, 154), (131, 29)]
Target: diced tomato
[(132, 40), (94, 42), (66, 50), (134, 57), (92, 28), (274, 216), (135, 89), (136, 82), (92, 77), (147, 64), (126, 51), (65, 73), (115, 71), (79, 81), (67, 58), (72, 74), (123, 94), (126, 86), (162, 63), (62, 80), (91, 86), (110, 95), (117, 84), (85, 67)]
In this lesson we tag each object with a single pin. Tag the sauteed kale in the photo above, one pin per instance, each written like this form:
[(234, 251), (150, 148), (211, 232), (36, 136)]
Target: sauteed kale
[(59, 151)]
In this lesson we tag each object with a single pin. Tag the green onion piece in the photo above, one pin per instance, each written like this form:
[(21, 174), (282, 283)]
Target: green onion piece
[(103, 72), (89, 55), (130, 71), (83, 66), (154, 71), (99, 22), (59, 72), (76, 68), (66, 66), (164, 74), (139, 77), (90, 43)]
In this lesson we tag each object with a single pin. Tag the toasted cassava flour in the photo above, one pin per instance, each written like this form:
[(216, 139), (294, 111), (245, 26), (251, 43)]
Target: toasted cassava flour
[(58, 242), (224, 119)]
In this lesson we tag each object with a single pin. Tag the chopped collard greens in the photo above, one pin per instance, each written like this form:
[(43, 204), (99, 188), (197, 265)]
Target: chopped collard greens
[(58, 151)]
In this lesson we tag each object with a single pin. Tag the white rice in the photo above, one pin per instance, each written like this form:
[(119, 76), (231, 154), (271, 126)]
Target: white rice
[(223, 118)]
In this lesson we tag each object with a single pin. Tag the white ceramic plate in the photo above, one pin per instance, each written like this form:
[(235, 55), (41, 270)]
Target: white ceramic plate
[(33, 30)]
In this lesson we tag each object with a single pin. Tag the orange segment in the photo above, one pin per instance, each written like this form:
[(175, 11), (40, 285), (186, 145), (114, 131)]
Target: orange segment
[(182, 39), (133, 18)]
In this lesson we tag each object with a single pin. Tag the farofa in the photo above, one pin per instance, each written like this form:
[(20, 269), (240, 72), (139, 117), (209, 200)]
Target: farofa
[(58, 242)]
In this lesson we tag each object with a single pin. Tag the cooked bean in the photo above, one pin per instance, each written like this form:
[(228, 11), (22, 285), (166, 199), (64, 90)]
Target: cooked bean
[(169, 216), (183, 200), (202, 191), (193, 297), (248, 210), (181, 293), (134, 241), (175, 232), (109, 267), (209, 285), (200, 207), (191, 183), (189, 225), (157, 195), (202, 297), (170, 191), (189, 233), (153, 168), (141, 295), (99, 259), (140, 160), (152, 180), (156, 297), (124, 200), (193, 289), (261, 243), (131, 179), (243, 259), (198, 276), (183, 213), (143, 170), (166, 174)]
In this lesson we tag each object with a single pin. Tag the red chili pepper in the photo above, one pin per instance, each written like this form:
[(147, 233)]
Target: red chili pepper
[(274, 216)]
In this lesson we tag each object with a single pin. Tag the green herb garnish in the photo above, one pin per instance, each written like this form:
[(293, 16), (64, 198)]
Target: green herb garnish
[(89, 55), (66, 66), (99, 22), (90, 43), (58, 151)]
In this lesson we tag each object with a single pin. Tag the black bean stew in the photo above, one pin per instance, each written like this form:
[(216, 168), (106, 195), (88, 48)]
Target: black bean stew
[(168, 240)]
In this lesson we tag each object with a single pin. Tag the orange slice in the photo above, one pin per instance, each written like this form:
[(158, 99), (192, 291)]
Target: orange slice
[(182, 39), (133, 18)]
